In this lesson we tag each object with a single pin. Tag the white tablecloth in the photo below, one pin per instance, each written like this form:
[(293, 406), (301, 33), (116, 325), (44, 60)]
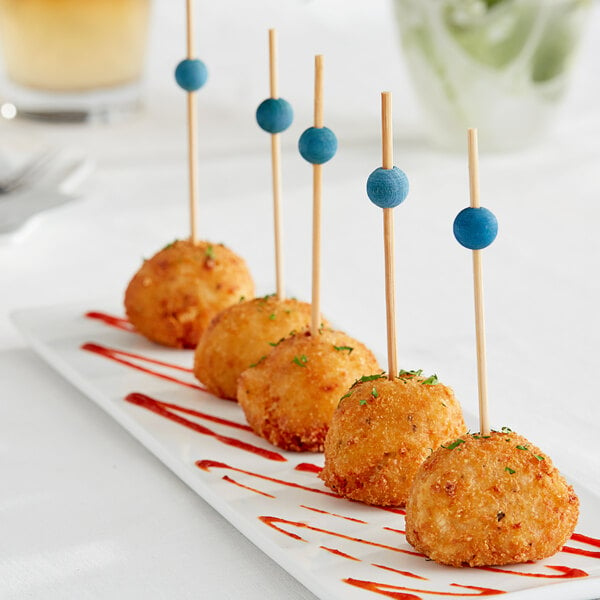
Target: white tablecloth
[(85, 511)]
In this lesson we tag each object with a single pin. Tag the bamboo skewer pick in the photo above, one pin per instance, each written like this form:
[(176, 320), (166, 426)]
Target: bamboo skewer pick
[(315, 322), (317, 145), (476, 228), (192, 114), (387, 187), (276, 171), (191, 75), (484, 423), (388, 237), (275, 115)]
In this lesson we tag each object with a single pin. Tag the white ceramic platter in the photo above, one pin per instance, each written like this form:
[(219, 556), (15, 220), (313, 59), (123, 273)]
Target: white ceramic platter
[(336, 548)]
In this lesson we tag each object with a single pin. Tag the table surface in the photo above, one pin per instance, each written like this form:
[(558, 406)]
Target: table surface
[(85, 510)]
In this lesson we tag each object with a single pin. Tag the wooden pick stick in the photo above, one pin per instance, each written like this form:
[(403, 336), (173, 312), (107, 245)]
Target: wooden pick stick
[(192, 120), (276, 171), (317, 193), (388, 236), (189, 13), (319, 90), (273, 83), (484, 423)]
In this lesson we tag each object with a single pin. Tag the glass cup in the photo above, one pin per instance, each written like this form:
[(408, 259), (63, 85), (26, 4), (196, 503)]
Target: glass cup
[(501, 66), (73, 59)]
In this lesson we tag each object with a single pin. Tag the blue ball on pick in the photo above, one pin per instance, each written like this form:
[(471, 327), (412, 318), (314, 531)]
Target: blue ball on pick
[(274, 115), (387, 188), (317, 145), (475, 228), (191, 74)]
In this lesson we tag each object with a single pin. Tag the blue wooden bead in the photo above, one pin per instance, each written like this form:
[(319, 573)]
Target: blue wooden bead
[(191, 74), (274, 115), (387, 188), (317, 145), (475, 228)]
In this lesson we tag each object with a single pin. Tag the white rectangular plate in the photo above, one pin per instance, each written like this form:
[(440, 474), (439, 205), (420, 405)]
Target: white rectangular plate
[(336, 548)]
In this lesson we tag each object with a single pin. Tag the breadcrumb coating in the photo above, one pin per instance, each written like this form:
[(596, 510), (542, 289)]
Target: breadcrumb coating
[(290, 396), (175, 294), (241, 335), (482, 501), (382, 431)]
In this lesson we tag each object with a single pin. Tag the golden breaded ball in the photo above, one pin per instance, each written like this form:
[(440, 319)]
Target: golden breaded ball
[(482, 501), (175, 294), (290, 396), (382, 431), (243, 334)]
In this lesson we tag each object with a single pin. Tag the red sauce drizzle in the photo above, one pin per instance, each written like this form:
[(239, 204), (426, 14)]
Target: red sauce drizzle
[(246, 487), (565, 572), (399, 592), (115, 355), (205, 416), (585, 539), (395, 530), (308, 468), (405, 573), (159, 408), (396, 511), (274, 521), (324, 512), (340, 553), (207, 465), (117, 322)]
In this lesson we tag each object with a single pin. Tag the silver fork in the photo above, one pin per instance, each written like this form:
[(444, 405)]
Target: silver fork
[(25, 173)]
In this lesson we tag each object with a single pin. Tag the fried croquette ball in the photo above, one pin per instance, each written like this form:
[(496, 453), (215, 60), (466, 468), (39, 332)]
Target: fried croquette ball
[(290, 396), (241, 335), (482, 501), (382, 431), (175, 294)]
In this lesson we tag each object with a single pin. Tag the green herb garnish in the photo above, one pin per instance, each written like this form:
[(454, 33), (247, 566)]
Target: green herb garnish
[(454, 444), (362, 402), (272, 316), (346, 348), (263, 299), (368, 378), (257, 362), (539, 457), (276, 343), (510, 471), (403, 374), (300, 361), (523, 447), (413, 373), (347, 395), (210, 252), (374, 392), (506, 430)]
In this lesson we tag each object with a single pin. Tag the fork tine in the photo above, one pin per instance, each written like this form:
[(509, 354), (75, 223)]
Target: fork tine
[(31, 168)]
